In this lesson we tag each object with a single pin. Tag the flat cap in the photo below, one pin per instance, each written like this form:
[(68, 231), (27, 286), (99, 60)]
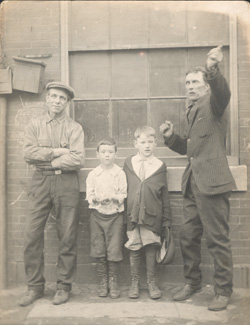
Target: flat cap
[(62, 86)]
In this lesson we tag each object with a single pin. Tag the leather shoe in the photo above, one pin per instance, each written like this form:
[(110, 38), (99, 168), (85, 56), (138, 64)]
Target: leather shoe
[(61, 297), (29, 297), (186, 292), (219, 303)]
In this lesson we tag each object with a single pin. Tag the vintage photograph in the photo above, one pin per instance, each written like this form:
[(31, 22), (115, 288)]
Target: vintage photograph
[(125, 157)]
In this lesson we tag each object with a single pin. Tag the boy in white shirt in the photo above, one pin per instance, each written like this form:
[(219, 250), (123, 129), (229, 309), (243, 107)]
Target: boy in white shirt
[(148, 208), (105, 192)]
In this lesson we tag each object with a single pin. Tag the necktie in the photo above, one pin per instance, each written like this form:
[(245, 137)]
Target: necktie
[(190, 113), (142, 171)]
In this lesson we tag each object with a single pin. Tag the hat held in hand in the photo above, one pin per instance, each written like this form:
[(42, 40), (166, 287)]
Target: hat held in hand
[(165, 254)]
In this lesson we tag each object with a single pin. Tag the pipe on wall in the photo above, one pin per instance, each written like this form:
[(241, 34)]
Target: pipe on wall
[(3, 198)]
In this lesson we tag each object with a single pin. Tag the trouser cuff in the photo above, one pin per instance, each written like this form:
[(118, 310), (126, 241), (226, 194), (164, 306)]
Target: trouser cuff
[(36, 288), (223, 292), (64, 287)]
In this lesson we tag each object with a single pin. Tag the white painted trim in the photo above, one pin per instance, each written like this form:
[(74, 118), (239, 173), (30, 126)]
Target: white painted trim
[(174, 177), (64, 42), (64, 16), (233, 65)]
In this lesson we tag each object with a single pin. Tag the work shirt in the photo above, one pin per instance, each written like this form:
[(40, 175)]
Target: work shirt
[(43, 134), (151, 164), (106, 183)]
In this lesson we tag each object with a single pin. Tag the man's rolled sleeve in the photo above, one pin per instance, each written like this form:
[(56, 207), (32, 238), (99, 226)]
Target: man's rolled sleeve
[(32, 152)]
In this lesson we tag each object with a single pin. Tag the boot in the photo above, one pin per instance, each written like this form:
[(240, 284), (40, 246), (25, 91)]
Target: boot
[(114, 291), (103, 276), (134, 291), (103, 287), (154, 291)]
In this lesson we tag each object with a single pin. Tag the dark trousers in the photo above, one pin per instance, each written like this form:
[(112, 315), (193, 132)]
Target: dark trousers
[(60, 192), (106, 233), (211, 215)]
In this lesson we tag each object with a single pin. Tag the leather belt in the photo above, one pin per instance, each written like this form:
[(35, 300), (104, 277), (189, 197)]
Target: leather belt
[(55, 172)]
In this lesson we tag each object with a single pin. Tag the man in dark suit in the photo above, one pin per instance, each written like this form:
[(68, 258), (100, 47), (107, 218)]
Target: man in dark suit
[(207, 180)]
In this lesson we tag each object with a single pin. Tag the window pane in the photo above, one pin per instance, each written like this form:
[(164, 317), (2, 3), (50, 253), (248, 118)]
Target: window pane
[(197, 57), (167, 72), (167, 26), (127, 116), (129, 74), (205, 27), (88, 24), (93, 116), (90, 74), (166, 109), (128, 24)]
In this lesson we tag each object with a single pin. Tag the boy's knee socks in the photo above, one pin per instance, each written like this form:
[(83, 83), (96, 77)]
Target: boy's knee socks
[(151, 260), (113, 268), (135, 261)]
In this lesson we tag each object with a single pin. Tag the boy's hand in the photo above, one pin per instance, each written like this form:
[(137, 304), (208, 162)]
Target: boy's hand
[(95, 200), (167, 129), (115, 199), (105, 201)]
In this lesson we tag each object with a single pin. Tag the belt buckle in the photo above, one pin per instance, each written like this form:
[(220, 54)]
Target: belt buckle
[(58, 172)]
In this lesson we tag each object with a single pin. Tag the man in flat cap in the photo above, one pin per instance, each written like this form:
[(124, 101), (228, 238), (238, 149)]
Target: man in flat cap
[(54, 145)]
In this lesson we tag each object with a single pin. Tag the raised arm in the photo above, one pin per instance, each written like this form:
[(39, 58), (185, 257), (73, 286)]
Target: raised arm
[(220, 92)]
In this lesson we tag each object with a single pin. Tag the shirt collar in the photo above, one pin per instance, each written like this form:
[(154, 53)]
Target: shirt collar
[(138, 159), (59, 119), (113, 170)]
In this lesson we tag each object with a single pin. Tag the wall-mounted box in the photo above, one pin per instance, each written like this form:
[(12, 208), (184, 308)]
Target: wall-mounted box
[(5, 81), (28, 75)]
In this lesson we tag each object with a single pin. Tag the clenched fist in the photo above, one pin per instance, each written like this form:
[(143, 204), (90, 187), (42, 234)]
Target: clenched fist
[(167, 129), (214, 57)]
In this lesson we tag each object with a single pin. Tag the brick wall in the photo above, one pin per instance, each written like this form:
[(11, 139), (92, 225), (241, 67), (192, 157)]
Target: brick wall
[(36, 33)]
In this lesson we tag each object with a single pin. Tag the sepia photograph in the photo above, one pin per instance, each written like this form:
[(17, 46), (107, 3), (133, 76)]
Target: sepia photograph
[(125, 158)]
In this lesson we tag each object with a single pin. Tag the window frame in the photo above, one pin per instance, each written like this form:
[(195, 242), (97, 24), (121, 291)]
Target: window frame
[(233, 158)]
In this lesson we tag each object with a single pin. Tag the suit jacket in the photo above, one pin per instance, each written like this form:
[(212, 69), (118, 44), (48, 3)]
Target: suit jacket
[(204, 142)]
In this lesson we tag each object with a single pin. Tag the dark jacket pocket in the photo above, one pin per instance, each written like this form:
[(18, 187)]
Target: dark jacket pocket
[(149, 217)]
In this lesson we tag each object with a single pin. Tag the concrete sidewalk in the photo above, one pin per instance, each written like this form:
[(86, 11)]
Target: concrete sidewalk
[(85, 308)]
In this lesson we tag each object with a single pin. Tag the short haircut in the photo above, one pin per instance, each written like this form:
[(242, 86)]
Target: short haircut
[(197, 70), (147, 130), (107, 142)]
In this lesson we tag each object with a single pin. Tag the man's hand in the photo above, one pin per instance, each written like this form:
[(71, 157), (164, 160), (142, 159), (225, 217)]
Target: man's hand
[(214, 57), (167, 129), (60, 152)]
